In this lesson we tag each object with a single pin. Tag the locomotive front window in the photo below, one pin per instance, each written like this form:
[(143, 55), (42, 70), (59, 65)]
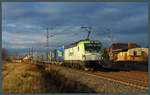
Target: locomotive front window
[(92, 47)]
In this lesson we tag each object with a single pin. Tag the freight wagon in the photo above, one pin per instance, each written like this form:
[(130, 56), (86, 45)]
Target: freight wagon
[(53, 55), (59, 54)]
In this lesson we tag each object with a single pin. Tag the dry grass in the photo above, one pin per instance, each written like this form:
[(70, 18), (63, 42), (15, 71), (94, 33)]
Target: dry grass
[(23, 79), (36, 78), (65, 85)]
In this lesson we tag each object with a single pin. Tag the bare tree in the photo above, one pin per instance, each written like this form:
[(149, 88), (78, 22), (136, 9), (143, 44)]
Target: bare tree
[(4, 54)]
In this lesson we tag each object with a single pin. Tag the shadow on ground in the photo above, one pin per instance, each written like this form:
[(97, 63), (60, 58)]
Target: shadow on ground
[(57, 83)]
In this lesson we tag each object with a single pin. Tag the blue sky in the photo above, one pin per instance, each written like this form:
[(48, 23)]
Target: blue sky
[(24, 24)]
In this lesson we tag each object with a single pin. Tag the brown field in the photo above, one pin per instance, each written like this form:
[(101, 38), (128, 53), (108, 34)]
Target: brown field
[(35, 78)]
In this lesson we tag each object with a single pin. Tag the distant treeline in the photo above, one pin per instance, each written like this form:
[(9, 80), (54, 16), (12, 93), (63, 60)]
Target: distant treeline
[(5, 55)]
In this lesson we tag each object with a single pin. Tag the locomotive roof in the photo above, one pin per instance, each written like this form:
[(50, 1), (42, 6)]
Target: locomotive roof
[(75, 44)]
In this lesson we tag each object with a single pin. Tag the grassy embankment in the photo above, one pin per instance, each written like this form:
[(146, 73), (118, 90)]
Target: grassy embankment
[(36, 78)]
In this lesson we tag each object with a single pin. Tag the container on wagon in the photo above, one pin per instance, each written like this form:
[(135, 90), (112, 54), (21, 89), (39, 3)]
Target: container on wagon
[(50, 55), (60, 54), (53, 55)]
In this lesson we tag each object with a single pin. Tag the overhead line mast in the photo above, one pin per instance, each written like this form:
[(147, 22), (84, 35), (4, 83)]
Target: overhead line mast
[(111, 37), (47, 36)]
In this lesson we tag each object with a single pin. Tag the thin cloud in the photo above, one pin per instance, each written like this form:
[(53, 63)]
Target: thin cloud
[(24, 24)]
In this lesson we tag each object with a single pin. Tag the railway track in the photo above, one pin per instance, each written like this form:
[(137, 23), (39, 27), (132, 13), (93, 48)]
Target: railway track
[(137, 73), (122, 77), (131, 78), (142, 84)]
